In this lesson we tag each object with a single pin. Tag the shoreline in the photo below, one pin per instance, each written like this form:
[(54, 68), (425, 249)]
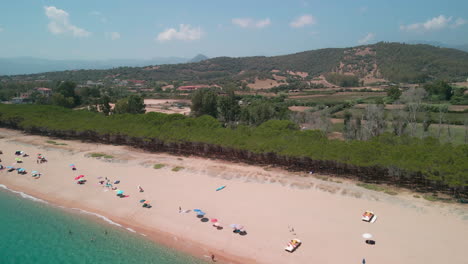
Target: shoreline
[(189, 247), (268, 201)]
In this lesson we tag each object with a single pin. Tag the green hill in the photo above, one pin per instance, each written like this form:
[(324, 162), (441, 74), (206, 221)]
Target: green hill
[(394, 62)]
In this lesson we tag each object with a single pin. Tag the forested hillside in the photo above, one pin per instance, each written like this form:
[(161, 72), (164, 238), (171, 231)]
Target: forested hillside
[(382, 61)]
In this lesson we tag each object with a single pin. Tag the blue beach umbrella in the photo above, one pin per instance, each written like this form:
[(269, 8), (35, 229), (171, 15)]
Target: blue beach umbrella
[(119, 192), (200, 213), (10, 167), (195, 210), (21, 170)]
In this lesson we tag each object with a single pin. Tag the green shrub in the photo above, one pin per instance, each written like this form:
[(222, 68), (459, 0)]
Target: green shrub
[(178, 168), (158, 166)]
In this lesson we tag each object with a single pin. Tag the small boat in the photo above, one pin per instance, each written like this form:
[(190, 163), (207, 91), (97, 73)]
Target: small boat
[(293, 245), (220, 188)]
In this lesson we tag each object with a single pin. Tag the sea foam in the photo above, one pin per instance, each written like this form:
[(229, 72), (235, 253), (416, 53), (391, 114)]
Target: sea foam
[(24, 195)]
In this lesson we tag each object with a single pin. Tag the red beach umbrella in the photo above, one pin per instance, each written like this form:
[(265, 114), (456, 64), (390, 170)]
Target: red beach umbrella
[(214, 220)]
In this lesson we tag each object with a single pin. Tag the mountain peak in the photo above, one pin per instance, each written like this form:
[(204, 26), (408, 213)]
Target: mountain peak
[(198, 58)]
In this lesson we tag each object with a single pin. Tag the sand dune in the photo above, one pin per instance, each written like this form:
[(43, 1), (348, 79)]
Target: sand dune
[(268, 201)]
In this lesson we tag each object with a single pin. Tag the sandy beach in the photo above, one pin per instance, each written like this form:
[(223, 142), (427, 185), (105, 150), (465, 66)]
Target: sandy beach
[(269, 202)]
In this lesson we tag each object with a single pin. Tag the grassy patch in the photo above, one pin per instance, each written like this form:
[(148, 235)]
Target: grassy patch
[(101, 155), (323, 178), (435, 198), (377, 188), (416, 196), (158, 166), (178, 168), (55, 143), (372, 187), (431, 198)]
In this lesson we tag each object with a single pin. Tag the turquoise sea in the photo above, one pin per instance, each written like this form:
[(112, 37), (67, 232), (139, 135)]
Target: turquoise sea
[(36, 232)]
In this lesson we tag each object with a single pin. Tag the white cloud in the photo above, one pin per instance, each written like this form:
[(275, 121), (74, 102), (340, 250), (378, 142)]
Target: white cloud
[(433, 24), (459, 22), (303, 21), (59, 23), (185, 32), (251, 23), (368, 38), (113, 35)]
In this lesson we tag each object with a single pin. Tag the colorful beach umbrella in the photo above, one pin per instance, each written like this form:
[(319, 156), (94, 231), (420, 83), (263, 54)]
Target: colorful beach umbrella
[(79, 177), (119, 192), (72, 165), (214, 220), (201, 213), (142, 201), (34, 172), (147, 202), (10, 167), (196, 210)]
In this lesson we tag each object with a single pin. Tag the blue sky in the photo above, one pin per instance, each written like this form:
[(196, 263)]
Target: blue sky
[(143, 29)]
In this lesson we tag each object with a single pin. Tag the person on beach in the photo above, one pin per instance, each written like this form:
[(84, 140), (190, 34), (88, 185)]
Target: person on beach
[(180, 209), (213, 258)]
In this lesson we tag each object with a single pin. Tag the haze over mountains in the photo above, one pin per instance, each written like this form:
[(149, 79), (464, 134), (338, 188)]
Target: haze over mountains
[(31, 65)]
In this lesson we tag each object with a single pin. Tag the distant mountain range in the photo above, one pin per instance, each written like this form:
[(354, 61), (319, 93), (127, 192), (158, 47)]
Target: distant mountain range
[(376, 63), (31, 65), (463, 47)]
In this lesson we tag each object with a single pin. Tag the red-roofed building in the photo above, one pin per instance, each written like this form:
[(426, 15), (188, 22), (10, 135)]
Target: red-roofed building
[(44, 91)]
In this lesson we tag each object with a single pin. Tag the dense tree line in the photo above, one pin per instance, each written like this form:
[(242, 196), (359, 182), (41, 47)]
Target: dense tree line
[(231, 109), (422, 163)]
